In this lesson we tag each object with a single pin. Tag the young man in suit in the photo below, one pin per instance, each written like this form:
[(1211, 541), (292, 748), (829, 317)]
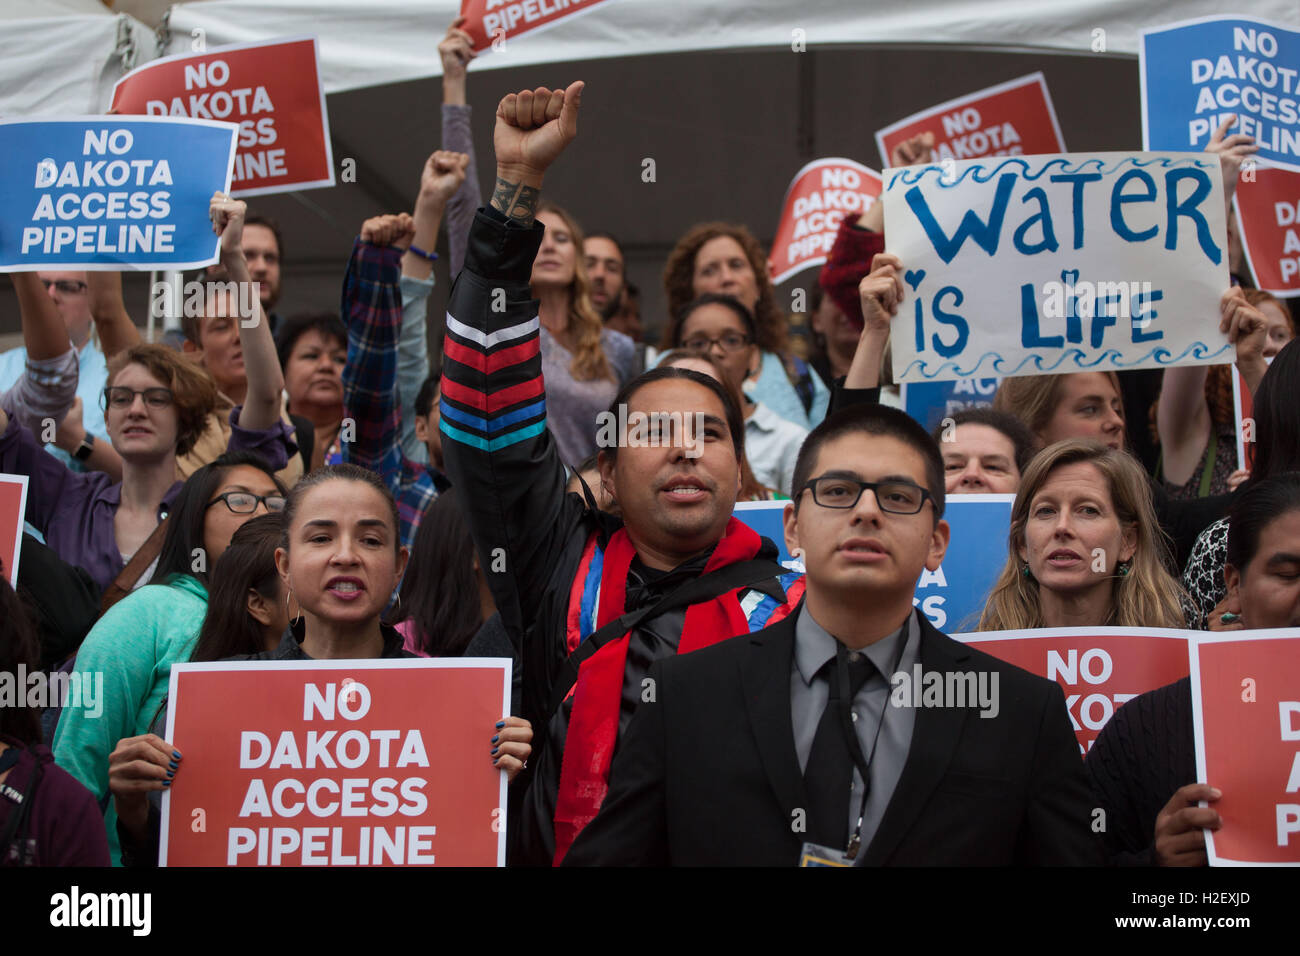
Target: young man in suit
[(747, 754)]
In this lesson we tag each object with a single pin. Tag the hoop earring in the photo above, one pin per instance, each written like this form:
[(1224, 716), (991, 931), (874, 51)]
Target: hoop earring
[(797, 554), (293, 621)]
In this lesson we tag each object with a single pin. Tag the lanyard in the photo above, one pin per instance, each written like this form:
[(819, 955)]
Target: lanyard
[(845, 705)]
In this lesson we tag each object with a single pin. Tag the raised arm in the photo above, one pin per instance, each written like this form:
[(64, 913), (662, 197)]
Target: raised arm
[(112, 322), (880, 291), (442, 174), (456, 51), (372, 308), (493, 419), (265, 378), (46, 389)]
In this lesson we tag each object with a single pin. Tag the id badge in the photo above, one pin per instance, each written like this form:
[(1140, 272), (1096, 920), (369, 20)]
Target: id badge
[(814, 854)]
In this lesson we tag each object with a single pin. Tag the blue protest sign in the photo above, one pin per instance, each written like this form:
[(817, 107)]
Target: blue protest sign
[(953, 596), (765, 517), (1197, 73), (1078, 262), (931, 402), (111, 192)]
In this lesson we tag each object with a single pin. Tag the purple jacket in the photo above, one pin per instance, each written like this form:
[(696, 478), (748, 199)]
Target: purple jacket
[(75, 510), (65, 826)]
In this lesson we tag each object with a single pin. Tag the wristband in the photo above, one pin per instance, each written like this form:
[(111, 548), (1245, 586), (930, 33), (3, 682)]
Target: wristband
[(84, 450), (431, 256)]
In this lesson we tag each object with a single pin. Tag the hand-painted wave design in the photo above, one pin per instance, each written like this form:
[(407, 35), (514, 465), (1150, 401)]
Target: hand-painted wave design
[(1001, 365)]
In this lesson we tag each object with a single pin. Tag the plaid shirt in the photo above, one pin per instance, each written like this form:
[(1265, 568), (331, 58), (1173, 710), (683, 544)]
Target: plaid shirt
[(372, 308)]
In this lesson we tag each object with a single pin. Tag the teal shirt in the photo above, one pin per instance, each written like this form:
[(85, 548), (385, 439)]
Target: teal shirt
[(128, 657)]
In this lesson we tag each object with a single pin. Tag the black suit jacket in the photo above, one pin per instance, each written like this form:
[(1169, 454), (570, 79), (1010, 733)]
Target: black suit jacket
[(708, 773)]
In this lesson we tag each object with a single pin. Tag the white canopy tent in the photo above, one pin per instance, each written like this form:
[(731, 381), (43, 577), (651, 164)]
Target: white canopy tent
[(714, 92)]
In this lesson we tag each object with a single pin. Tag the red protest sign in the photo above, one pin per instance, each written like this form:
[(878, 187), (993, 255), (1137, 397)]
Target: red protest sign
[(821, 195), (1246, 711), (13, 505), (1010, 119), (338, 763), (272, 90), (492, 22), (1098, 668), (1268, 217)]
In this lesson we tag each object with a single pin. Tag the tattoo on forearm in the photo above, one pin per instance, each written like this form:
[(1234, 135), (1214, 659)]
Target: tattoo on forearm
[(516, 200)]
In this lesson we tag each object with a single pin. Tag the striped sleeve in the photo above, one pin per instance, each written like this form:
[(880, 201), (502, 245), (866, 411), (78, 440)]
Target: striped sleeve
[(493, 417)]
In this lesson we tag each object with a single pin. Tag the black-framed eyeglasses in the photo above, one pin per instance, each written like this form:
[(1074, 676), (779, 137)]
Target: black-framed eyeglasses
[(245, 502), (121, 397), (65, 286), (895, 497), (731, 342)]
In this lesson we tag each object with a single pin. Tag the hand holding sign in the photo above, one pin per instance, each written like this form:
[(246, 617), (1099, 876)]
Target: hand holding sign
[(1178, 839), (533, 128), (913, 150), (1246, 328), (512, 746), (1232, 152), (137, 766), (881, 290), (456, 50)]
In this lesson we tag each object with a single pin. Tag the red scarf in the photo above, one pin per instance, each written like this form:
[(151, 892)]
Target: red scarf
[(597, 696)]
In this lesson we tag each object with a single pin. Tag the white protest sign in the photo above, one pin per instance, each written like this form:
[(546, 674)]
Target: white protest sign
[(1074, 262)]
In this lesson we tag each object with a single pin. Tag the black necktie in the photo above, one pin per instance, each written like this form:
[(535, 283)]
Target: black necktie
[(828, 776)]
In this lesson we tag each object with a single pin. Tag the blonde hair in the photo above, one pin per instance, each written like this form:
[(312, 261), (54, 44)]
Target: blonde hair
[(1147, 596), (585, 325), (1033, 398)]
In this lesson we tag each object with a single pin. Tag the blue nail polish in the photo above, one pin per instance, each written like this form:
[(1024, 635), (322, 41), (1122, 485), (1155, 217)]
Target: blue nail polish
[(496, 738), (173, 764), (500, 724), (495, 749), (167, 782), (176, 754)]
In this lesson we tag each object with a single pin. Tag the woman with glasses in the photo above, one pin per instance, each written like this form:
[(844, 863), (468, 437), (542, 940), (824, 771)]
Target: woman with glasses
[(726, 259), (133, 646), (722, 327), (1085, 547), (156, 405)]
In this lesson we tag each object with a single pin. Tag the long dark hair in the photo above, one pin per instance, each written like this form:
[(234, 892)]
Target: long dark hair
[(249, 563), (1259, 505), (185, 526), (18, 646), (1277, 416), (439, 594)]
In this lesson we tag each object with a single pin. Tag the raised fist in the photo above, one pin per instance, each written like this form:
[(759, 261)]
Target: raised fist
[(442, 175), (227, 217), (533, 127), (391, 230)]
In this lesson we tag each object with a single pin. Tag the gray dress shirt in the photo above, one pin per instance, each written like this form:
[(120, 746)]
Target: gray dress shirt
[(808, 696)]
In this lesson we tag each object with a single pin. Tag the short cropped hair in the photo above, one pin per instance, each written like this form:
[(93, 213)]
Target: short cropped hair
[(295, 327), (735, 421), (872, 420), (1016, 431)]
